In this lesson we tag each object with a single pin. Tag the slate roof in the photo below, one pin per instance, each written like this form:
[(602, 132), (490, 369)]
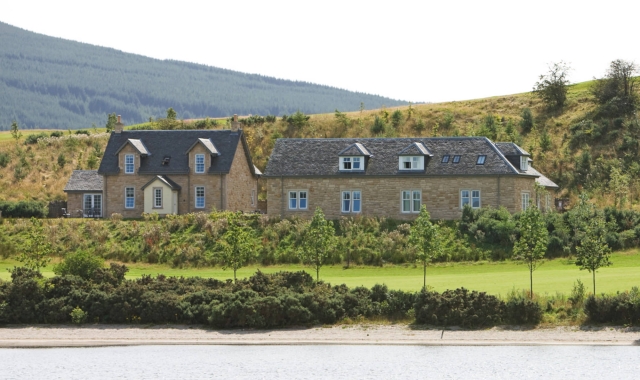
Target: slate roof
[(319, 157), (511, 149), (175, 144), (542, 180), (84, 180)]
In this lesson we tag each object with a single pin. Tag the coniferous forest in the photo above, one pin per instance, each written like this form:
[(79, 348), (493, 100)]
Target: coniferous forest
[(48, 82)]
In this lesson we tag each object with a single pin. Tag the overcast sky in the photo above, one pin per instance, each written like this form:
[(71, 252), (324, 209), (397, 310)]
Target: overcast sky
[(411, 50)]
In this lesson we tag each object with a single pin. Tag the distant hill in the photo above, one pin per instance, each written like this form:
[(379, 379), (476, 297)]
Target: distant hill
[(48, 82)]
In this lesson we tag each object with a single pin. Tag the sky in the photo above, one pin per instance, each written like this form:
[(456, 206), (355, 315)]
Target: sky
[(418, 51)]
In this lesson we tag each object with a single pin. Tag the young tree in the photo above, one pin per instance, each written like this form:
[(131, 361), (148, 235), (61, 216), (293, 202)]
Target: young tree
[(171, 114), (236, 245), (15, 131), (593, 251), (552, 87), (36, 253), (526, 121), (532, 244), (318, 241), (425, 236), (112, 119)]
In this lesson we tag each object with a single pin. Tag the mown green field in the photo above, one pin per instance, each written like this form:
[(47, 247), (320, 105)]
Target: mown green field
[(495, 278)]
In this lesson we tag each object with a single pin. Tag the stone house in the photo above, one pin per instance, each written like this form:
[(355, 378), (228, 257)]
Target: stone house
[(394, 177), (168, 172)]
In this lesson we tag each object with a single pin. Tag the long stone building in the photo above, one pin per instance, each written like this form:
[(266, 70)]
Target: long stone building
[(394, 177)]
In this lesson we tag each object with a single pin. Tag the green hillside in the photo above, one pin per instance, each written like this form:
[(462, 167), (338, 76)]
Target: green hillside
[(48, 82)]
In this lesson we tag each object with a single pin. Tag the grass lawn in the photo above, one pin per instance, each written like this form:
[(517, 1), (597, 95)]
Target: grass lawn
[(496, 278)]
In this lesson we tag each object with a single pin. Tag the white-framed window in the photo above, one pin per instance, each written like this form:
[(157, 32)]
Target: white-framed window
[(411, 162), (411, 201), (525, 200), (297, 200), (524, 163), (129, 197), (253, 197), (456, 159), (481, 159), (199, 196), (199, 163), (351, 163), (128, 163), (92, 205), (547, 202), (157, 197), (445, 158), (470, 197), (351, 201)]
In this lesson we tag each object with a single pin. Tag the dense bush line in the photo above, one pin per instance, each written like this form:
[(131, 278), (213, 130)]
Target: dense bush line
[(261, 301), (622, 308), (23, 209)]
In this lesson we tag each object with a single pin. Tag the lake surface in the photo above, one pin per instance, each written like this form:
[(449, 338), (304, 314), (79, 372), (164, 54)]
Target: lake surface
[(322, 362)]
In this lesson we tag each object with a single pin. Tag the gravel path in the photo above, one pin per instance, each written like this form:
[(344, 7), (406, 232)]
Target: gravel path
[(121, 335)]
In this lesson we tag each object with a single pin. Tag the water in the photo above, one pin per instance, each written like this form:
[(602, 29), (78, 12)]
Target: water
[(322, 362)]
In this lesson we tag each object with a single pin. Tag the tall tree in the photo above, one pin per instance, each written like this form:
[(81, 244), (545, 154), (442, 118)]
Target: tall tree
[(532, 243), (616, 91), (593, 251), (552, 86), (237, 245), (425, 236), (318, 241), (171, 114)]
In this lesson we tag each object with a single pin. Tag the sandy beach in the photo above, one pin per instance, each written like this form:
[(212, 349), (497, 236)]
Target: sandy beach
[(121, 335)]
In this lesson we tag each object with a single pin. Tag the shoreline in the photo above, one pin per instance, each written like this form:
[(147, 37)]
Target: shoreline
[(46, 336)]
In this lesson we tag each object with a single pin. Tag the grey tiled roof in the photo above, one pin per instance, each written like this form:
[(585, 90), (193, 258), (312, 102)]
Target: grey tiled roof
[(319, 157), (542, 180), (84, 180), (511, 149), (164, 179), (174, 144)]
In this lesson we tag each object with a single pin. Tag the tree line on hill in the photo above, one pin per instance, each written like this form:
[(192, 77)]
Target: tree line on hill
[(48, 82)]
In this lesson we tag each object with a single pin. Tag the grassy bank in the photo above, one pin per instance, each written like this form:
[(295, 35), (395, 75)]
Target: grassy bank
[(499, 278)]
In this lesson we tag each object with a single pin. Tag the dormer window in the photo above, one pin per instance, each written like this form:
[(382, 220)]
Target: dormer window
[(128, 163), (411, 162), (199, 163), (350, 163), (524, 163), (481, 160)]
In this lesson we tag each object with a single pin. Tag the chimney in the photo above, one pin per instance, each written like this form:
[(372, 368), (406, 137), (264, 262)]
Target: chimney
[(119, 126), (235, 124)]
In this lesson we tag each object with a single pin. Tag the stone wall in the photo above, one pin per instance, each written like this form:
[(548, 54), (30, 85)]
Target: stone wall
[(381, 196), (241, 184), (74, 204)]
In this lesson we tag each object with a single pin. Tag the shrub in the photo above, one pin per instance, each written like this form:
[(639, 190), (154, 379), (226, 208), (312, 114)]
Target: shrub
[(396, 118), (62, 160), (33, 138), (81, 263), (521, 310), (4, 159), (526, 122), (78, 316), (419, 125), (458, 307), (378, 126), (23, 209), (82, 132), (622, 308), (56, 134)]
